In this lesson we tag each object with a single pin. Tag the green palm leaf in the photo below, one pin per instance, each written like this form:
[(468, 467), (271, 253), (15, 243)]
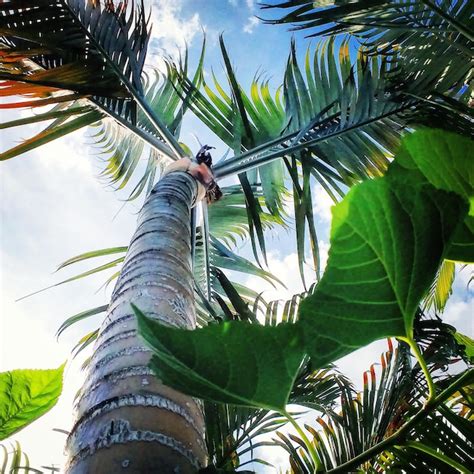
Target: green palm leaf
[(344, 111), (430, 42), (236, 431), (385, 403), (14, 460), (243, 121), (397, 20), (123, 150), (68, 45), (441, 287)]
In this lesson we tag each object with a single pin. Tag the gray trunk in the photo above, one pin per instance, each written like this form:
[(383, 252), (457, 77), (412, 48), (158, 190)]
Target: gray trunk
[(127, 421)]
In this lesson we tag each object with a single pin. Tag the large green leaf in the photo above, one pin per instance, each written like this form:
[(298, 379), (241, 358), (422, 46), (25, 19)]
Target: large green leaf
[(239, 363), (25, 395), (462, 246), (445, 161), (388, 238)]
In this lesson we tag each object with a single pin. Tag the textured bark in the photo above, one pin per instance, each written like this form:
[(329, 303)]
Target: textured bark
[(127, 421)]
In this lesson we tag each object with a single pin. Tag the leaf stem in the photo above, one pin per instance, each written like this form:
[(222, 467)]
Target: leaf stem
[(436, 454), (463, 380), (267, 153), (419, 357), (314, 455)]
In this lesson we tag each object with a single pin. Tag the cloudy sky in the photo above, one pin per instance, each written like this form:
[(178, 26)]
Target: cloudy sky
[(53, 207)]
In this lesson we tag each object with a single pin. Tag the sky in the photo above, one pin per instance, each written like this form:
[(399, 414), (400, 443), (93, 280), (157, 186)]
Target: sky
[(53, 206)]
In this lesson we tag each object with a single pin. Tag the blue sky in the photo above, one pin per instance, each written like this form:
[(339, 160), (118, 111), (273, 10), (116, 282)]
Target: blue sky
[(53, 207)]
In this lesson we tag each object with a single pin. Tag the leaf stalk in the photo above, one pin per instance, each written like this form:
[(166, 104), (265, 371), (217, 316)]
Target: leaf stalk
[(419, 357)]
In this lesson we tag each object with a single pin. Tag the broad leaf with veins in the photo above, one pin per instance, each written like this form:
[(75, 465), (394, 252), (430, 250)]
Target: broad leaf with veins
[(233, 362), (25, 395), (388, 238), (446, 161)]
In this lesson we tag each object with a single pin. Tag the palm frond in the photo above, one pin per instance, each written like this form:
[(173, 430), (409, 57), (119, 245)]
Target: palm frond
[(228, 220), (441, 288), (430, 43), (330, 113), (333, 129), (123, 150), (443, 443), (230, 432), (440, 343), (80, 317), (242, 122), (96, 50), (319, 389), (394, 21), (385, 403), (233, 432)]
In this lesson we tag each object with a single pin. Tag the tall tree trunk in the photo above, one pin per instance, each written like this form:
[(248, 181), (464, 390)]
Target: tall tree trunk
[(127, 420)]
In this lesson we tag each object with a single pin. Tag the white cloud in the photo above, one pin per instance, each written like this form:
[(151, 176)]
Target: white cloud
[(460, 306), (457, 311), (52, 208), (322, 204), (250, 3), (251, 24), (286, 270), (171, 29)]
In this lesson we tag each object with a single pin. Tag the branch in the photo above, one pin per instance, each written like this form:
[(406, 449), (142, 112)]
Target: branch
[(288, 144)]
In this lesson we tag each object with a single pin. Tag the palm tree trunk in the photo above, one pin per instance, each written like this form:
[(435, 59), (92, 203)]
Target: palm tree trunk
[(127, 420)]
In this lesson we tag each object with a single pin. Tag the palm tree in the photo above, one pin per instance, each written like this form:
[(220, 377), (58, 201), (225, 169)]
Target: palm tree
[(335, 122)]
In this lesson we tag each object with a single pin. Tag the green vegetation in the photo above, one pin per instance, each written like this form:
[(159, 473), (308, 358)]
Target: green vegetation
[(378, 114)]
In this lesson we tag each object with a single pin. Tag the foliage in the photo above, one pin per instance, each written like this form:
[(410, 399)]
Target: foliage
[(77, 55), (256, 367), (428, 44), (377, 412), (336, 121), (25, 396), (395, 229), (233, 431), (441, 288)]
